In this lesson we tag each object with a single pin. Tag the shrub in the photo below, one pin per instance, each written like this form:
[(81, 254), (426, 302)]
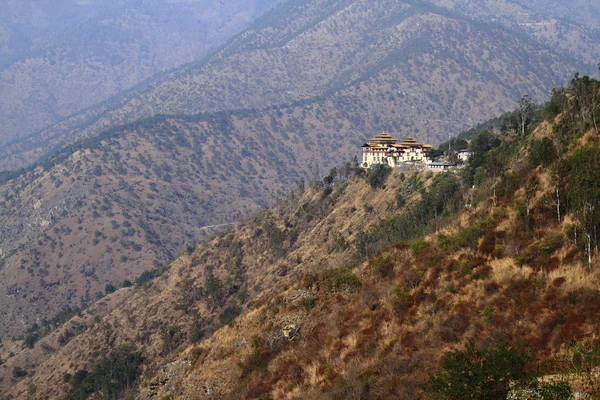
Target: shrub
[(172, 337), (259, 358), (419, 245), (481, 374), (444, 242), (383, 265), (402, 299), (400, 200), (110, 376), (337, 278), (543, 152), (109, 288), (18, 372), (554, 391), (147, 276), (469, 237), (229, 315), (377, 175), (343, 278)]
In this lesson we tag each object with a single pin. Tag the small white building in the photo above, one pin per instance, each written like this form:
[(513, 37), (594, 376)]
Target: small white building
[(440, 166), (385, 149), (464, 155)]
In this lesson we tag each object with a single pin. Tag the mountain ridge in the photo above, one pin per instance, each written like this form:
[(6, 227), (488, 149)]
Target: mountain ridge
[(143, 105)]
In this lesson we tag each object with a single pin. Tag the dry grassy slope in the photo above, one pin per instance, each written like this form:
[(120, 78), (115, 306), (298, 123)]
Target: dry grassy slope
[(72, 56), (110, 212), (369, 342), (245, 255), (352, 341), (438, 66)]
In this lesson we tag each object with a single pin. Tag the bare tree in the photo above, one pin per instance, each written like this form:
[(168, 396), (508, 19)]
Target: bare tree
[(526, 110)]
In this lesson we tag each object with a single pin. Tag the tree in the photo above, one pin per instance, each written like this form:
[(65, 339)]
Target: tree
[(586, 93), (526, 110), (543, 152), (377, 175), (480, 147), (301, 186), (347, 170), (580, 183), (329, 179), (480, 374), (315, 181)]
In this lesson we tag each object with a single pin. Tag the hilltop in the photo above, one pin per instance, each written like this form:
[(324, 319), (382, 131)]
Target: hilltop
[(412, 66), (356, 288)]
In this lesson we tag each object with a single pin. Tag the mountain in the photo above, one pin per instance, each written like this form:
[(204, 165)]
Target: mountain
[(411, 68), (128, 202), (58, 58), (427, 68), (573, 30), (362, 287)]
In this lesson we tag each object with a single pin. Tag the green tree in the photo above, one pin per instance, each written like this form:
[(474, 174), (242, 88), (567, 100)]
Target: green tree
[(480, 374), (329, 179), (580, 185), (543, 152), (377, 175)]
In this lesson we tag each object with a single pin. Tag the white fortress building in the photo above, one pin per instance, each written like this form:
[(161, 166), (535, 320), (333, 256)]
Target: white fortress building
[(384, 149)]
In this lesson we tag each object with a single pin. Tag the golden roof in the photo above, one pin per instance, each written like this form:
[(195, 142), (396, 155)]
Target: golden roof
[(384, 140), (383, 137)]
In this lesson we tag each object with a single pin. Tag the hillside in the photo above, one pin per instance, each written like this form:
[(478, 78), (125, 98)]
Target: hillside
[(357, 290), (59, 58), (567, 27), (421, 69), (169, 175), (131, 201)]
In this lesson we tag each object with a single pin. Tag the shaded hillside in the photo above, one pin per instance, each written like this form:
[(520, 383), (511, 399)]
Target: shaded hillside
[(61, 57), (410, 65), (356, 290), (583, 12), (132, 201), (564, 26)]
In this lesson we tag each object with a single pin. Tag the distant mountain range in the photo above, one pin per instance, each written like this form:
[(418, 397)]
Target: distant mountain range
[(434, 57), (60, 57)]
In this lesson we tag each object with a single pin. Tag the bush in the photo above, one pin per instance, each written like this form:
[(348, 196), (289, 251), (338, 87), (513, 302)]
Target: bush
[(377, 175), (110, 376), (554, 391), (147, 276), (229, 315), (343, 278), (481, 374), (400, 200), (337, 278), (419, 245), (402, 299), (383, 265), (19, 372), (469, 237), (109, 288), (543, 152), (172, 337)]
